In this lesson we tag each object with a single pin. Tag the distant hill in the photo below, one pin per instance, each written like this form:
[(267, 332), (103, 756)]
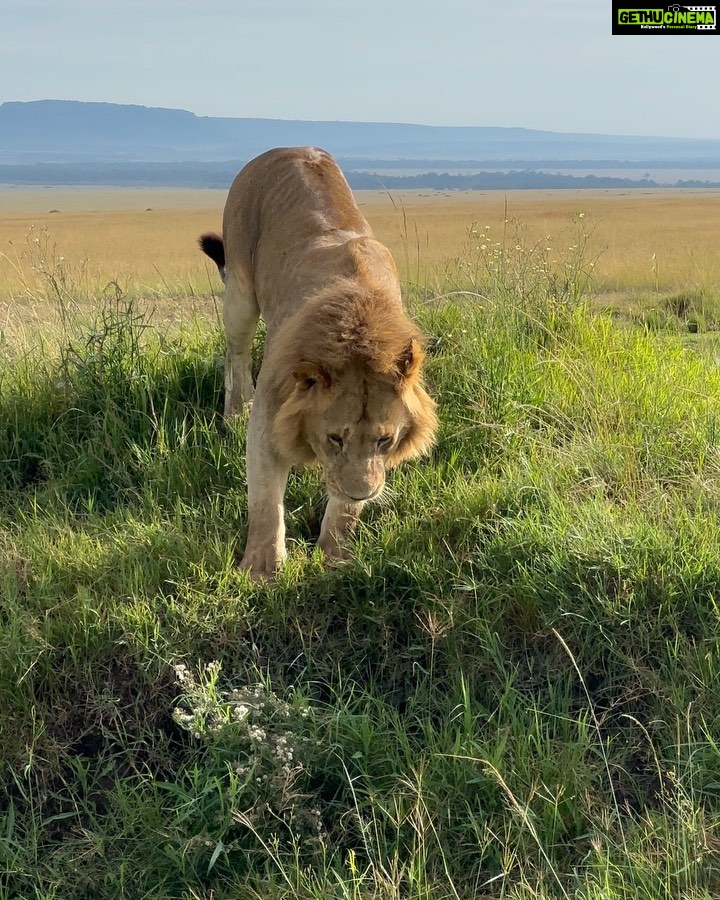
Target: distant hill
[(71, 131)]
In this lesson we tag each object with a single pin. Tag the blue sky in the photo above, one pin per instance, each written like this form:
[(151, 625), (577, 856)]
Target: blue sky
[(548, 64)]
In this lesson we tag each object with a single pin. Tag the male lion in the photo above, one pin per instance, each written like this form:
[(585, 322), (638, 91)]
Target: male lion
[(340, 380)]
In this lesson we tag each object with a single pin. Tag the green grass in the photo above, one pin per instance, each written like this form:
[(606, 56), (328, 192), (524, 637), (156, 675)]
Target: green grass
[(512, 692)]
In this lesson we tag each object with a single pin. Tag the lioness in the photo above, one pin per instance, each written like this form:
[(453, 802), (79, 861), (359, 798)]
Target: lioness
[(340, 380)]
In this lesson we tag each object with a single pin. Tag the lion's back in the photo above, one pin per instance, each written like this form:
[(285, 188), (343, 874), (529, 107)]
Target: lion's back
[(290, 225), (290, 195)]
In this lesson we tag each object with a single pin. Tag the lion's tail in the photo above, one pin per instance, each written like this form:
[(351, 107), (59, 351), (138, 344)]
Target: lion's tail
[(212, 245)]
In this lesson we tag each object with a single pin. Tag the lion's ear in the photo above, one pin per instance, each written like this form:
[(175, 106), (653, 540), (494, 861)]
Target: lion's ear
[(408, 363), (308, 374)]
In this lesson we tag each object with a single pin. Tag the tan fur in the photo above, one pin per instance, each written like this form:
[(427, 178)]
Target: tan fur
[(340, 381)]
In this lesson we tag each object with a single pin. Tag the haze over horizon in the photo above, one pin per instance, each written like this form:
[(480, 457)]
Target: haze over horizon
[(553, 66)]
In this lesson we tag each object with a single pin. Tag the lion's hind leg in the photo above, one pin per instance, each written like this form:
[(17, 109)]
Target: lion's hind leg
[(240, 315)]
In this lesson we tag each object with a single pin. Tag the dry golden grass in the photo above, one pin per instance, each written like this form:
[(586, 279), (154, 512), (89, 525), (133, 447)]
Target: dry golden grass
[(145, 240), (646, 240)]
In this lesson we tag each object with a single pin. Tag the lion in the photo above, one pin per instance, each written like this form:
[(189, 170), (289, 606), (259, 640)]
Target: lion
[(340, 381)]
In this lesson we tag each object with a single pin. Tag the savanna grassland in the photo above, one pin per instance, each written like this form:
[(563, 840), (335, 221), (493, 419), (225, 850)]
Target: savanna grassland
[(512, 689), (643, 243)]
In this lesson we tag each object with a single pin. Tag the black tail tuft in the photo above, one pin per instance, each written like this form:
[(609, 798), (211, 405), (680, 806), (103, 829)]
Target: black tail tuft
[(212, 245)]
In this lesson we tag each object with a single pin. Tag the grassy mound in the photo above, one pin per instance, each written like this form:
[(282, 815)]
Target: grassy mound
[(510, 692)]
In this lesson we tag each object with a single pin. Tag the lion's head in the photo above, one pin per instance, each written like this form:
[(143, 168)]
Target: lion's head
[(354, 403)]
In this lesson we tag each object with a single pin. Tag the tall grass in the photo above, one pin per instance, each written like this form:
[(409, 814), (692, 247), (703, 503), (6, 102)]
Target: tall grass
[(510, 692)]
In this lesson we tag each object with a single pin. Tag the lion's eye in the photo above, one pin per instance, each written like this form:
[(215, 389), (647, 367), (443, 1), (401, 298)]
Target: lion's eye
[(385, 442), (336, 441)]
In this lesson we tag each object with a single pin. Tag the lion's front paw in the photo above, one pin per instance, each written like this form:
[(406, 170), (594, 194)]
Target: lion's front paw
[(333, 551), (262, 562)]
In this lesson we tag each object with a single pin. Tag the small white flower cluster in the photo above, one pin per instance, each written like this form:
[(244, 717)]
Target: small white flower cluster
[(201, 713), (263, 731), (253, 718), (514, 265)]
